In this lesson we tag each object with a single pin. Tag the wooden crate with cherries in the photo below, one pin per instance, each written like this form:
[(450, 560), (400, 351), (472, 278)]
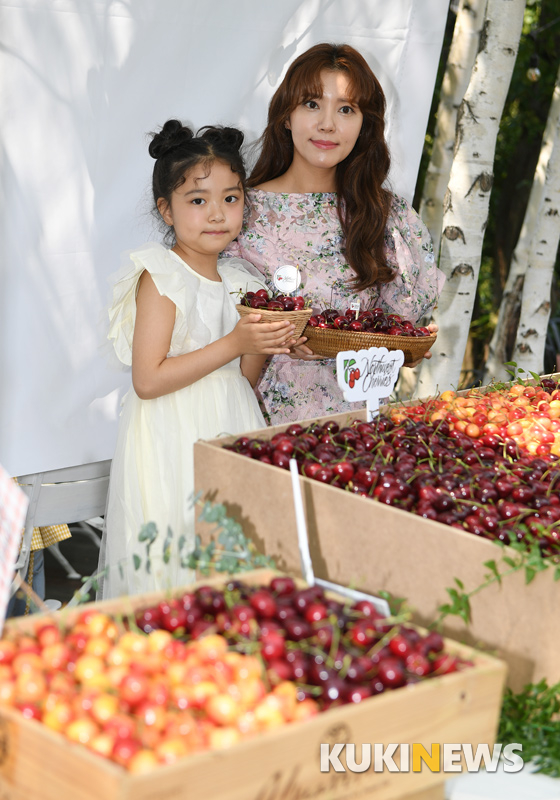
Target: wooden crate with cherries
[(226, 690)]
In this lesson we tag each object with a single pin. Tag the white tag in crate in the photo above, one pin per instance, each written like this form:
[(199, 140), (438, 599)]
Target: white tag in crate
[(355, 306), (286, 278), (368, 375)]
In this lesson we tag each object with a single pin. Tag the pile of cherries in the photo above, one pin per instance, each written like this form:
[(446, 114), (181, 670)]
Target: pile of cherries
[(487, 486), (372, 321), (336, 653), (277, 302)]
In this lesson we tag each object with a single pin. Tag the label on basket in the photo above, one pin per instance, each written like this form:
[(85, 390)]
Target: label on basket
[(13, 508), (286, 278), (355, 306), (368, 375)]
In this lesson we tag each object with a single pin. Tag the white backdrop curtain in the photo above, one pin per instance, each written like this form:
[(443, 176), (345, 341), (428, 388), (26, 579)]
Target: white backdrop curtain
[(84, 81)]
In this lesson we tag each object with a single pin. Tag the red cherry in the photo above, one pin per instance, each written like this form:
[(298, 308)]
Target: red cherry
[(343, 472), (367, 608), (298, 629), (390, 672), (279, 459), (273, 646), (174, 619), (243, 613), (263, 603), (283, 586), (316, 612), (280, 670), (355, 694), (400, 646)]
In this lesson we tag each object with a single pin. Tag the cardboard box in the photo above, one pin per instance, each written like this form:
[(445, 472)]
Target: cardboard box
[(39, 764), (371, 546)]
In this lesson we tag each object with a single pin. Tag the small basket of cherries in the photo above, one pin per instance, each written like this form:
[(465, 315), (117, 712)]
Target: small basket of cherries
[(332, 331), (276, 307)]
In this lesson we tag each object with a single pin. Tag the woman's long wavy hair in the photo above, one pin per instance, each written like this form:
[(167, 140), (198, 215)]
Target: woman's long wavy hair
[(363, 202)]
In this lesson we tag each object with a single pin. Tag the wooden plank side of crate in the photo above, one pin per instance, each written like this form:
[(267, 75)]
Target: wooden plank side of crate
[(39, 764)]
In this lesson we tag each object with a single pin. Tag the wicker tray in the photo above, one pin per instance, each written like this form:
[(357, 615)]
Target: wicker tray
[(329, 341), (298, 318)]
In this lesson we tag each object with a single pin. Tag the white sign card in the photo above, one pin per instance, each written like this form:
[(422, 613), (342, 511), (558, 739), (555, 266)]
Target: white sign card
[(368, 375), (13, 508), (286, 279), (382, 606)]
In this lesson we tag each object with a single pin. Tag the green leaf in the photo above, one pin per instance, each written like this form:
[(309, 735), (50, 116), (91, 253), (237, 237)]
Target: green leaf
[(557, 574), (148, 532), (492, 566), (136, 560), (529, 574)]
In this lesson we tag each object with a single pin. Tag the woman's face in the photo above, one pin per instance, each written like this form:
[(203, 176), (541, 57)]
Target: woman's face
[(325, 129)]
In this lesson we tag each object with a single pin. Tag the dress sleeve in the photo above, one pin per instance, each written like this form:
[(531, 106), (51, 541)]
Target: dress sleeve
[(418, 283), (241, 277), (122, 311)]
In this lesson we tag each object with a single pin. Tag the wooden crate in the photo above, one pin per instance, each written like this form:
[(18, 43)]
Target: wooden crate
[(39, 764), (372, 546)]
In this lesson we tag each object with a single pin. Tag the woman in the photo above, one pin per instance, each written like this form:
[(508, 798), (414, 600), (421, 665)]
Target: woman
[(318, 200)]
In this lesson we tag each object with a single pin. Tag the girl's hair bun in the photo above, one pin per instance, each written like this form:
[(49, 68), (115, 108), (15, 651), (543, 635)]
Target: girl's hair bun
[(172, 135), (230, 137)]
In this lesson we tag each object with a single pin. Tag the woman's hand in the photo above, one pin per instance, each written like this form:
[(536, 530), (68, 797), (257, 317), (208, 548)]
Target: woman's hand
[(252, 337), (433, 328), (300, 351)]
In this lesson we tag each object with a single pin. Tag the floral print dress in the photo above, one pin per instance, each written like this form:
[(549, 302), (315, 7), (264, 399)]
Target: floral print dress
[(304, 230)]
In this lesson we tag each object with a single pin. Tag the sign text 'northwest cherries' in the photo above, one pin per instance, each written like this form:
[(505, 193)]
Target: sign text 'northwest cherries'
[(368, 375)]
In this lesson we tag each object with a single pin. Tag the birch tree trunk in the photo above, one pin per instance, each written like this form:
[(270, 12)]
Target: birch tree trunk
[(460, 61), (528, 352), (468, 194), (514, 290)]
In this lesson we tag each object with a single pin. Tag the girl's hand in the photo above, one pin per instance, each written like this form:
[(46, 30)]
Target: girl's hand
[(268, 338), (301, 351)]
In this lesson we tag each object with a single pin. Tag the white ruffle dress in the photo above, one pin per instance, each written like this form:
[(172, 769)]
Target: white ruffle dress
[(152, 473)]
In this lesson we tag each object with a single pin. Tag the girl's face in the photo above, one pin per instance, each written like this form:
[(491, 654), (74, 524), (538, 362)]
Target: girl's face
[(206, 211), (325, 129)]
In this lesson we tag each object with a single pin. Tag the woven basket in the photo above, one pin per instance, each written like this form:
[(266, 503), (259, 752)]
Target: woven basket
[(329, 341), (298, 318)]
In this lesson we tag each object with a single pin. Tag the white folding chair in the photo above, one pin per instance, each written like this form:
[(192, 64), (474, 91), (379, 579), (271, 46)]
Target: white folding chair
[(68, 495)]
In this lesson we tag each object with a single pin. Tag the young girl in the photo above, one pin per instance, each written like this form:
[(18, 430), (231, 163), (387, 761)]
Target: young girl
[(319, 201), (193, 360)]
